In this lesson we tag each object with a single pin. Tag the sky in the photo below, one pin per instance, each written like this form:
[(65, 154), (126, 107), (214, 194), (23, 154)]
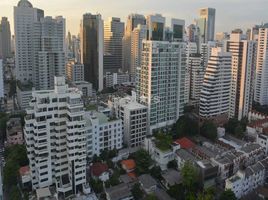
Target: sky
[(230, 14)]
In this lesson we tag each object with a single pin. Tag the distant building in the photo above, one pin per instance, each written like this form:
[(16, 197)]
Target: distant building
[(112, 79), (156, 27), (74, 71), (5, 38), (1, 79), (85, 87), (14, 132)]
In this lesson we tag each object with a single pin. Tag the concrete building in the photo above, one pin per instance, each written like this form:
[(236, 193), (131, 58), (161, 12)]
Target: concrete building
[(193, 33), (112, 79), (56, 139), (85, 87), (1, 80), (134, 117), (25, 16), (113, 44), (156, 27), (5, 39), (92, 49), (14, 132), (243, 182), (24, 95), (102, 133), (196, 72), (207, 23), (133, 21), (161, 82), (178, 29), (261, 80), (137, 35), (243, 72), (214, 97), (74, 71)]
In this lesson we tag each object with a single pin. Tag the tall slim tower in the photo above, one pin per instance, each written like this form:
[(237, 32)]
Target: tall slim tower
[(261, 84), (138, 34), (133, 21), (92, 49), (5, 38), (160, 82), (24, 18), (113, 43), (243, 71), (215, 92), (206, 23)]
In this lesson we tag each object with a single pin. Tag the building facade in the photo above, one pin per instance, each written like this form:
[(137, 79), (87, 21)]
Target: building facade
[(74, 71), (5, 38), (207, 23)]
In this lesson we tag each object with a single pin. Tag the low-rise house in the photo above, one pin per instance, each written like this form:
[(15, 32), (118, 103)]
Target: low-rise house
[(25, 176), (257, 126), (171, 177), (119, 192), (14, 132), (162, 156), (262, 140), (128, 165), (249, 179), (148, 183), (183, 156), (185, 143), (100, 171), (253, 152), (208, 173)]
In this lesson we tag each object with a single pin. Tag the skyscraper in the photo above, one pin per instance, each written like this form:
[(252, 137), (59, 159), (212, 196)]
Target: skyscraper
[(24, 18), (215, 92), (133, 21), (56, 140), (178, 29), (243, 71), (156, 27), (92, 49), (5, 38), (261, 84), (160, 82), (49, 51), (138, 34), (113, 44), (206, 23)]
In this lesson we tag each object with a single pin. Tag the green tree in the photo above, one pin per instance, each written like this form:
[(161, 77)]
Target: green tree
[(189, 177), (172, 164), (96, 185), (14, 193), (177, 192), (185, 126), (239, 131), (137, 192), (227, 194), (156, 172), (151, 197), (209, 130), (231, 125), (143, 161), (10, 173)]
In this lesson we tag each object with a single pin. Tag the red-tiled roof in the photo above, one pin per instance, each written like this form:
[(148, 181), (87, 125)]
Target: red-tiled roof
[(24, 170), (98, 168), (258, 123), (128, 164), (185, 143)]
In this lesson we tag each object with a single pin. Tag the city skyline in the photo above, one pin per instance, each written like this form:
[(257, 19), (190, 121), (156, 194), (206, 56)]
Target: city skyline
[(73, 11)]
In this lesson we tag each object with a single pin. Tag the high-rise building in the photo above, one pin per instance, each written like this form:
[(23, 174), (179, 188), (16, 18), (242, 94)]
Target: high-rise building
[(1, 80), (5, 38), (24, 18), (49, 51), (177, 28), (156, 27), (261, 81), (160, 82), (215, 92), (138, 34), (92, 45), (206, 23), (74, 71), (243, 72), (196, 70), (133, 21), (56, 140), (193, 33), (113, 44)]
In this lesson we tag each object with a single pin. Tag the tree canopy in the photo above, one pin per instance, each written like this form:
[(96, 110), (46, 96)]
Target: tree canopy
[(209, 130), (185, 126), (137, 192), (227, 194), (189, 177), (143, 161)]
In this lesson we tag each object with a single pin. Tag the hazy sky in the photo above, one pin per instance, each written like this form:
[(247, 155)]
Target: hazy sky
[(230, 14)]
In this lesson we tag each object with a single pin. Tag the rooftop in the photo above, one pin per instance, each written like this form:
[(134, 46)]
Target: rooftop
[(172, 177), (185, 155), (118, 192), (98, 168), (250, 147), (185, 143), (129, 164), (24, 170), (147, 181)]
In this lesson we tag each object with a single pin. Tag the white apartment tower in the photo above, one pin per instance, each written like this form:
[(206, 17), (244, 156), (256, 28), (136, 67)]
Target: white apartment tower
[(215, 92), (243, 71), (138, 34), (133, 21), (74, 71), (55, 139), (24, 18), (161, 82), (261, 81)]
